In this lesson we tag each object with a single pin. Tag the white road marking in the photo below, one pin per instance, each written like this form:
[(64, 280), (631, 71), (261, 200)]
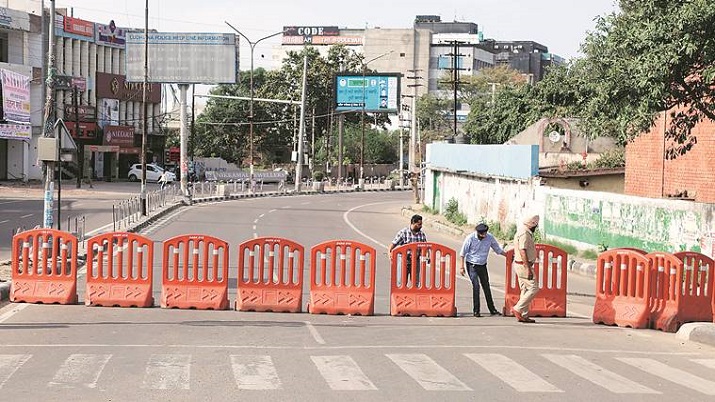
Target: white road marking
[(671, 374), (710, 363), (80, 370), (305, 203), (598, 375), (358, 231), (168, 372), (255, 372), (255, 221), (5, 221), (13, 202), (342, 373), (314, 332), (430, 375), (15, 309), (514, 374), (25, 216), (9, 364), (260, 216), (272, 211), (254, 227)]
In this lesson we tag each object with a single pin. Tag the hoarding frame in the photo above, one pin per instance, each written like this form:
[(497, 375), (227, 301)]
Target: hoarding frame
[(366, 109)]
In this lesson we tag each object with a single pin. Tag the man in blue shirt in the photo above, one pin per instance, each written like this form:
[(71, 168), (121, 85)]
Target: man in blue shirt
[(475, 251)]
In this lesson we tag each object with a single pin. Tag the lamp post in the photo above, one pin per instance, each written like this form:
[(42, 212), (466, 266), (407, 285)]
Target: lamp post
[(362, 115), (250, 107)]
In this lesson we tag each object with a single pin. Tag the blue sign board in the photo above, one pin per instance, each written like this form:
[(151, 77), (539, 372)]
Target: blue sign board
[(371, 93)]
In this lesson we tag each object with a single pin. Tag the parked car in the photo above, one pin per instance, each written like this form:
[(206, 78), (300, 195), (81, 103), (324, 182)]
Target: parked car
[(153, 172)]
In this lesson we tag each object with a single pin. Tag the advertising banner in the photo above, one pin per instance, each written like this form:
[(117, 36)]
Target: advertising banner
[(68, 82), (111, 35), (78, 27), (14, 19), (122, 136), (87, 130), (108, 112), (371, 93), (114, 86), (86, 113), (15, 97), (16, 132), (183, 58)]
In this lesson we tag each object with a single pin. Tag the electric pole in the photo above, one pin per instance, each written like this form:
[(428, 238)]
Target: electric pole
[(414, 167), (49, 120)]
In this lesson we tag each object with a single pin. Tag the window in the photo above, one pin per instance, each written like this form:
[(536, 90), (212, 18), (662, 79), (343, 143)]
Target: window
[(4, 45)]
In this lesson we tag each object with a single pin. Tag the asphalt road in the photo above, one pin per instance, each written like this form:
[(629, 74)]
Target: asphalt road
[(62, 352)]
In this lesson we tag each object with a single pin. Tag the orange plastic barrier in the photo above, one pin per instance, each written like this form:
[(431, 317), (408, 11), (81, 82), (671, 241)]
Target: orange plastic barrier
[(195, 273), (429, 290), (550, 273), (682, 289), (270, 275), (342, 278), (44, 267), (623, 289), (120, 269)]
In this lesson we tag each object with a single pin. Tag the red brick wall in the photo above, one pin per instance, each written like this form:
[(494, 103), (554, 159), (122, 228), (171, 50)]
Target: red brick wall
[(694, 171)]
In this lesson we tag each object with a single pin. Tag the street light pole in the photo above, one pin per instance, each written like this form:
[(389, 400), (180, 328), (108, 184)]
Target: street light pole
[(250, 106), (362, 116)]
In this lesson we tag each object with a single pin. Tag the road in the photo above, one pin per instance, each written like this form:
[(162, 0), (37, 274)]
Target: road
[(63, 352)]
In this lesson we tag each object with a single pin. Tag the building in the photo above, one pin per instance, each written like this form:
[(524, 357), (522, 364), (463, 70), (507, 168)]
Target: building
[(20, 56), (688, 177), (528, 57)]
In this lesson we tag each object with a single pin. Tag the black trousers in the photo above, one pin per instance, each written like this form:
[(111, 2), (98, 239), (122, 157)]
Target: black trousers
[(478, 274)]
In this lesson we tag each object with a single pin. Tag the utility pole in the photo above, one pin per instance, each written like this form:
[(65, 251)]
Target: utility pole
[(80, 149), (413, 162), (455, 80), (341, 130), (49, 120), (142, 192), (301, 129)]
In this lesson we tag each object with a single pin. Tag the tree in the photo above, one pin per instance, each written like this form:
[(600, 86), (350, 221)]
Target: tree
[(650, 57)]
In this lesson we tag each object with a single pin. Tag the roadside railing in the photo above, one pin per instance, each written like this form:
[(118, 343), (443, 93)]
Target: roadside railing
[(129, 211)]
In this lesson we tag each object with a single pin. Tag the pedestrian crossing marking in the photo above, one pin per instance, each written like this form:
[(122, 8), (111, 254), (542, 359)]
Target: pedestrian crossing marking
[(80, 370), (255, 372), (342, 373), (710, 363), (599, 375), (430, 375), (671, 374), (168, 371), (514, 374), (9, 364)]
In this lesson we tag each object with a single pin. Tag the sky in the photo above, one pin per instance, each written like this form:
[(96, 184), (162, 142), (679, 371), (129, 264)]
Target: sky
[(559, 24)]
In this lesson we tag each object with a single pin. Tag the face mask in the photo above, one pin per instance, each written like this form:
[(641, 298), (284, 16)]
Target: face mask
[(533, 230)]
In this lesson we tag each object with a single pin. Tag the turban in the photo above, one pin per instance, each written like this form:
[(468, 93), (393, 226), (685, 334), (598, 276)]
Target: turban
[(532, 221)]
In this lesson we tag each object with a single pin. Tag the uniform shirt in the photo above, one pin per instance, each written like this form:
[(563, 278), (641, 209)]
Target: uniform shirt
[(524, 240), (406, 235), (476, 250)]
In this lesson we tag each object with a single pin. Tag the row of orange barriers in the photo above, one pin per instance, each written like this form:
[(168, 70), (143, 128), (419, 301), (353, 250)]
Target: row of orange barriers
[(195, 270), (655, 290)]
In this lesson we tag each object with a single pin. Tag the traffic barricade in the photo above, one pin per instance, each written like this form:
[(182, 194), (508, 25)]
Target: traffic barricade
[(623, 289), (689, 290), (423, 280), (666, 275), (195, 273), (270, 275), (551, 276), (44, 267), (120, 268), (342, 278)]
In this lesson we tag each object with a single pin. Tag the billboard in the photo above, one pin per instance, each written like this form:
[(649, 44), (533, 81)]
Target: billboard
[(183, 58), (108, 112), (15, 97), (119, 135), (372, 93), (110, 35), (114, 86)]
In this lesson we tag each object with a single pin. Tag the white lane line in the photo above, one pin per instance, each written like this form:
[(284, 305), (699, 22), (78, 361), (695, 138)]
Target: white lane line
[(13, 202), (255, 221), (16, 309), (80, 370), (254, 227), (342, 373), (272, 211), (671, 374), (430, 375), (314, 332), (255, 372), (9, 364), (599, 375), (346, 219), (709, 363), (260, 216), (168, 372), (514, 374), (25, 216), (5, 221)]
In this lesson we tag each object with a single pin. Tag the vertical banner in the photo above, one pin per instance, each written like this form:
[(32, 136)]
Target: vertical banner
[(15, 97)]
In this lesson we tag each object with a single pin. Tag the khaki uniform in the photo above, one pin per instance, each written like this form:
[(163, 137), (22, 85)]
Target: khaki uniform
[(524, 240)]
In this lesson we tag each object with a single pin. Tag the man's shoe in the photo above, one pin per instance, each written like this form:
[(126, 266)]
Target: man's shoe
[(518, 315), (477, 315), (528, 320), (493, 313)]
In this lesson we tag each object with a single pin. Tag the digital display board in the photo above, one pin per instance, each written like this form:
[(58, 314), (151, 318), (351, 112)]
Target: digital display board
[(371, 93)]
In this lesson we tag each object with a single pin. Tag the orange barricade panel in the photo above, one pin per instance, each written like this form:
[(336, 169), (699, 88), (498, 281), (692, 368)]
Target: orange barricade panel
[(195, 273), (623, 289), (696, 302), (120, 270), (342, 278), (422, 280), (270, 275), (550, 273), (44, 267), (666, 273)]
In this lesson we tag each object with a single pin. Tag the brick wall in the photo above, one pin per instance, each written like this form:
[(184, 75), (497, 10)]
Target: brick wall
[(648, 175)]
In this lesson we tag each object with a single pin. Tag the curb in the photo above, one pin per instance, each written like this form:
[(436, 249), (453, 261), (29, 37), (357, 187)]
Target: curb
[(4, 291), (700, 332)]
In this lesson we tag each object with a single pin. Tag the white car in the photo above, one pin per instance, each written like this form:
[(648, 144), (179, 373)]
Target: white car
[(153, 172)]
